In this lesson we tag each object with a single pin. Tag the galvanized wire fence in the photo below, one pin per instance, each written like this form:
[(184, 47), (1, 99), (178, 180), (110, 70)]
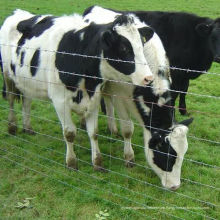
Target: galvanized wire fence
[(30, 159)]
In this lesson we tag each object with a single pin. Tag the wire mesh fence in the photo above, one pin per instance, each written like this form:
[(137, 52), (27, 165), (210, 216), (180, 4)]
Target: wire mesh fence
[(136, 190)]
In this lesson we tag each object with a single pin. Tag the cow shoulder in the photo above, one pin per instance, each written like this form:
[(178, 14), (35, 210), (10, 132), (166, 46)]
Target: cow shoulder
[(73, 59)]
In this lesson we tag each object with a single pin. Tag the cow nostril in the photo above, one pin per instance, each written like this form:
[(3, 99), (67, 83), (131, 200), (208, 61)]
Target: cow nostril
[(148, 80), (174, 187)]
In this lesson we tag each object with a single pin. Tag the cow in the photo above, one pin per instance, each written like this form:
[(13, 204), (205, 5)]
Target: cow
[(191, 42), (68, 61), (153, 51), (165, 141)]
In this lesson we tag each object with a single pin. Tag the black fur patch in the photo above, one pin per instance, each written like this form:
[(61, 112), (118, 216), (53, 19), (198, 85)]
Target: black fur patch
[(22, 58), (13, 68), (164, 154), (121, 49), (29, 28), (35, 62), (78, 97), (82, 67), (160, 116)]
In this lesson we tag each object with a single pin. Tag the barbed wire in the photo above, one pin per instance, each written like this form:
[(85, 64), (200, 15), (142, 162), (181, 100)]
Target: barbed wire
[(132, 178), (110, 59), (70, 185), (106, 94), (95, 77), (118, 119), (83, 173), (94, 177), (107, 80), (200, 95), (110, 138), (117, 158), (136, 145)]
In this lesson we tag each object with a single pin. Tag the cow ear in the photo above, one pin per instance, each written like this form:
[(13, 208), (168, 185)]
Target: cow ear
[(146, 33), (203, 29), (186, 122), (154, 141), (107, 39)]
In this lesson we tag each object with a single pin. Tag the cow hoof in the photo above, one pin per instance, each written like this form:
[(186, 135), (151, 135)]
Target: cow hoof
[(100, 169), (12, 129), (29, 131), (130, 163), (183, 111), (72, 164)]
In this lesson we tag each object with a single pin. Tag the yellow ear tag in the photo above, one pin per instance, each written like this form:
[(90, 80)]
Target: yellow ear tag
[(144, 39)]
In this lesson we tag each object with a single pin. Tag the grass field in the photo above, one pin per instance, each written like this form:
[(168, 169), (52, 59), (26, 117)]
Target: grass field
[(33, 166)]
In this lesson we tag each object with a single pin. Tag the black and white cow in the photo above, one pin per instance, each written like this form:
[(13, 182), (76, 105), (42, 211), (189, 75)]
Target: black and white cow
[(191, 42), (165, 141), (28, 48), (153, 51)]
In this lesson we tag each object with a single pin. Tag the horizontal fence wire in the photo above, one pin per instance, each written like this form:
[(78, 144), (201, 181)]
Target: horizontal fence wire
[(136, 145), (95, 77), (105, 94), (111, 138), (118, 185), (109, 59), (132, 178), (116, 139), (107, 155), (24, 158), (106, 116), (72, 186)]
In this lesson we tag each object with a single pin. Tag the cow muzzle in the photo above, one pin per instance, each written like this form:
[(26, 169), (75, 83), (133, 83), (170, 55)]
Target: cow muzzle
[(148, 80)]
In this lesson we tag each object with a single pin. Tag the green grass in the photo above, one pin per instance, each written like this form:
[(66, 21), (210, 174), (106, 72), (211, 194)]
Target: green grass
[(39, 171)]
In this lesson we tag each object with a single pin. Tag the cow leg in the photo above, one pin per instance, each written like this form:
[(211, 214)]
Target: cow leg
[(174, 96), (182, 101), (10, 92), (110, 115), (92, 128), (69, 131), (26, 109), (127, 129), (12, 124)]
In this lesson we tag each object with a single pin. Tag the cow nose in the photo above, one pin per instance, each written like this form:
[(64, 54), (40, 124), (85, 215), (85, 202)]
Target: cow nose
[(148, 80), (173, 188)]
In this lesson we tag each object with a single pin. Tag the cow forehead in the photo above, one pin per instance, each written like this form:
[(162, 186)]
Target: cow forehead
[(128, 31)]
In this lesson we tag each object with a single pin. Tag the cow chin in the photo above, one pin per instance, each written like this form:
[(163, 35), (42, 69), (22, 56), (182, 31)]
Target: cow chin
[(171, 180)]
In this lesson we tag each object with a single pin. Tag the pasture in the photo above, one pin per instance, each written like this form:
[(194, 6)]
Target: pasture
[(32, 166)]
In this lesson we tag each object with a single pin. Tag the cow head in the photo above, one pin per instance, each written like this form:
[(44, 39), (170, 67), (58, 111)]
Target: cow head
[(165, 152), (122, 40), (212, 32)]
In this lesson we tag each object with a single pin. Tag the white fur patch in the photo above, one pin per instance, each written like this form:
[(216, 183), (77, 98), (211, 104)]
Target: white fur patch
[(81, 36)]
